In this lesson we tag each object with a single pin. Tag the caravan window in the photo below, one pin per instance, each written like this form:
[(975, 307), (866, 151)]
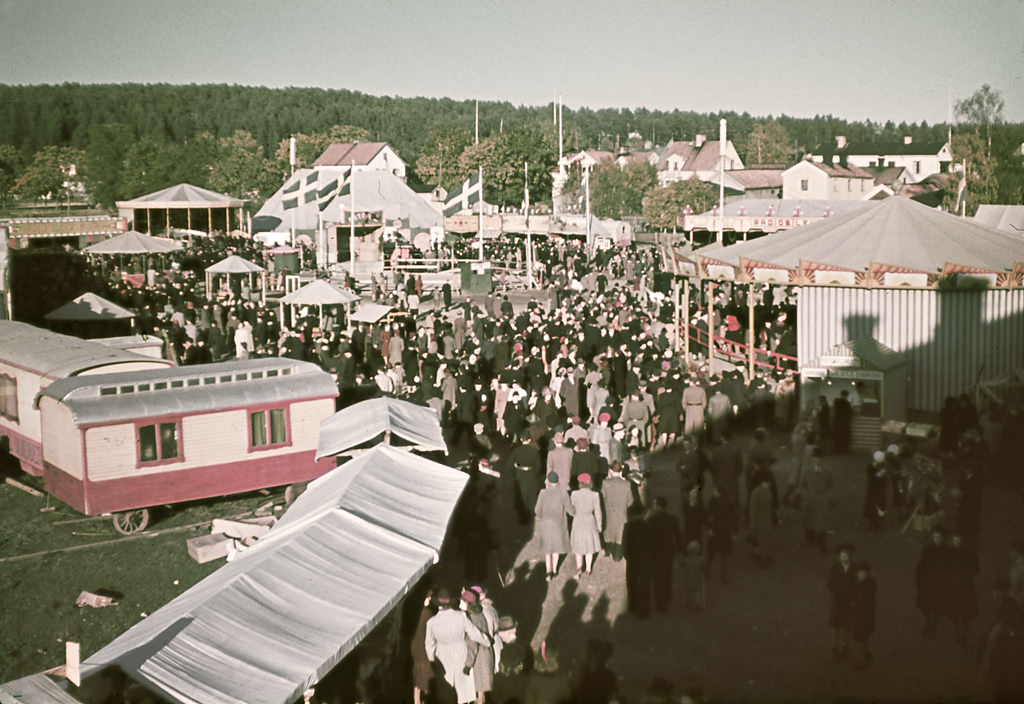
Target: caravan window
[(268, 428), (159, 442), (8, 397)]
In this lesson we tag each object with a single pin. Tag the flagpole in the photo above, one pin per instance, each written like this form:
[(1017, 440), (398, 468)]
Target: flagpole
[(480, 212), (586, 195), (721, 182), (476, 131), (352, 220), (529, 240)]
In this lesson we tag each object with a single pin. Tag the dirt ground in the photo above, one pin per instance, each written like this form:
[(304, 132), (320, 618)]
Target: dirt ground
[(763, 636)]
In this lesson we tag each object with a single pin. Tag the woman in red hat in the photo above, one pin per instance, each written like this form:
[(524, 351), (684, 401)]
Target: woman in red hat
[(585, 539)]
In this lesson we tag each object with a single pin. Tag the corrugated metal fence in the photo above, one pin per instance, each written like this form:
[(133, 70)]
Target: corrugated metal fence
[(952, 338)]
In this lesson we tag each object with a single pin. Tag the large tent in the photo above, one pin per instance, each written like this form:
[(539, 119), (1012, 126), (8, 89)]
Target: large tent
[(350, 427), (238, 266), (898, 236), (275, 620), (367, 191), (182, 206)]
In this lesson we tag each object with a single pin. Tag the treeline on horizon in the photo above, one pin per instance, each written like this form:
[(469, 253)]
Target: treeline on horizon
[(36, 116)]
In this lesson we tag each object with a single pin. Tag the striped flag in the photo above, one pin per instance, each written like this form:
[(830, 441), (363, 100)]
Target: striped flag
[(465, 196), (331, 190)]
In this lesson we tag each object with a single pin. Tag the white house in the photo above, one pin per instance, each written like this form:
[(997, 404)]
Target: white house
[(920, 160), (366, 156), (682, 161), (810, 180)]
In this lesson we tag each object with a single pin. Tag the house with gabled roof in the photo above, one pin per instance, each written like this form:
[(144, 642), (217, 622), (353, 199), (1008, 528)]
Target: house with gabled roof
[(683, 160), (366, 156), (919, 159), (812, 180)]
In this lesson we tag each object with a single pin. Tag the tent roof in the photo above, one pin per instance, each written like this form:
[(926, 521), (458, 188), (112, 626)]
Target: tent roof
[(133, 242), (319, 292), (184, 195), (234, 264), (897, 232), (370, 313), (366, 420), (58, 356), (373, 191), (1008, 218), (34, 689), (89, 306), (276, 619)]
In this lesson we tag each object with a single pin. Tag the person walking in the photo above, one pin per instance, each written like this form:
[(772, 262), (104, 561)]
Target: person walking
[(585, 538), (762, 521), (930, 578), (617, 494), (721, 528), (636, 549), (551, 514), (816, 487), (422, 673), (962, 600), (862, 614), (446, 636), (841, 584), (666, 543), (479, 657)]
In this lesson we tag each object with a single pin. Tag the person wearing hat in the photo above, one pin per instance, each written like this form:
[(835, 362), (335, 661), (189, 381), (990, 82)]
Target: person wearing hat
[(874, 496), (667, 406), (841, 584), (862, 614), (446, 638), (551, 514), (480, 659), (816, 487), (617, 495), (574, 431), (524, 465), (695, 401), (842, 421), (931, 580), (584, 461), (585, 538), (600, 435), (560, 460), (422, 673)]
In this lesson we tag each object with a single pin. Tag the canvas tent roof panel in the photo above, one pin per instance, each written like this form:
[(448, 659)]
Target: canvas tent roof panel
[(897, 232), (234, 264), (370, 313), (275, 620), (319, 292), (89, 306), (362, 422), (34, 689), (184, 195), (1008, 218), (133, 242)]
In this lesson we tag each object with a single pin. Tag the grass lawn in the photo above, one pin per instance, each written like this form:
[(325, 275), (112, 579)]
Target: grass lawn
[(40, 592)]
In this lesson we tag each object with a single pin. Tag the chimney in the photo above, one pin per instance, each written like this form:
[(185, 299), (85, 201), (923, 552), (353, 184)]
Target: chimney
[(840, 141), (907, 139), (698, 140)]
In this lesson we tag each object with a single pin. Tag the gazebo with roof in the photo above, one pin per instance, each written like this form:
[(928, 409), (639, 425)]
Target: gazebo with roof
[(182, 206)]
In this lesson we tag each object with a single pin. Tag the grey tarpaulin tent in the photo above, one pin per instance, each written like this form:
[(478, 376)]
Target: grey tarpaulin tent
[(362, 422), (319, 293), (133, 242), (370, 313), (90, 307), (34, 689), (271, 623), (235, 264)]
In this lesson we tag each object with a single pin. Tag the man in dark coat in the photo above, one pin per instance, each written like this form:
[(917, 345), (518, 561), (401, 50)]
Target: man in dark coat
[(842, 582), (637, 549), (930, 578), (666, 542), (842, 419), (524, 463)]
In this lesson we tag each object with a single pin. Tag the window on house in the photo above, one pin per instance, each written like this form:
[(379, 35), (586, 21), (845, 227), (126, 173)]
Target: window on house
[(8, 397), (159, 442), (803, 184), (849, 184), (268, 428), (917, 167)]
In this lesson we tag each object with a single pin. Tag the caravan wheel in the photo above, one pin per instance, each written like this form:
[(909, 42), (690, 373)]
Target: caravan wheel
[(129, 522)]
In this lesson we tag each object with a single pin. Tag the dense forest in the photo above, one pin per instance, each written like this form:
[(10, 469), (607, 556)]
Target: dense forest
[(129, 139)]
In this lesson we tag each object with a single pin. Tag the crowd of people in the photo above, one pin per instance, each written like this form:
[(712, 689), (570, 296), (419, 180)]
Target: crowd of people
[(564, 394)]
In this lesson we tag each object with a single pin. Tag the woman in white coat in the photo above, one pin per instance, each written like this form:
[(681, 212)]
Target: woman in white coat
[(447, 634)]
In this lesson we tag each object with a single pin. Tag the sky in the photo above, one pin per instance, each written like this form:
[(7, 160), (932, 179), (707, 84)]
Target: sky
[(897, 60)]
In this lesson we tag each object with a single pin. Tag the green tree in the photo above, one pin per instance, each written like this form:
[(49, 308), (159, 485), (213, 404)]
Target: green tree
[(101, 171), (49, 174), (11, 166), (662, 206), (982, 186), (241, 170), (615, 192), (502, 157), (438, 163), (768, 143), (983, 109)]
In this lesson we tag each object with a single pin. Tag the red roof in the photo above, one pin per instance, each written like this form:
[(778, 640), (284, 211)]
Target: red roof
[(758, 178), (361, 153), (849, 171)]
